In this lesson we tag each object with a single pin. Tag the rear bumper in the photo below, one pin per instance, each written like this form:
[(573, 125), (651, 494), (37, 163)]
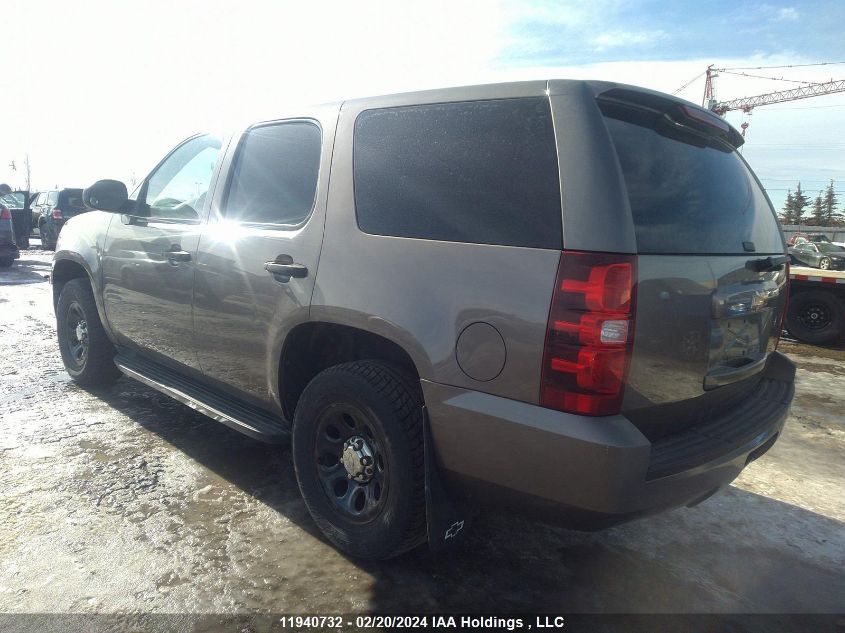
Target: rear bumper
[(590, 473)]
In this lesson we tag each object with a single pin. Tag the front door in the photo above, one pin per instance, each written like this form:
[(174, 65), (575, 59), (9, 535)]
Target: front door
[(148, 259), (257, 259)]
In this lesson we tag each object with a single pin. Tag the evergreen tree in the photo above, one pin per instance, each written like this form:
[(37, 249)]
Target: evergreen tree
[(800, 202), (785, 215), (817, 215), (831, 216)]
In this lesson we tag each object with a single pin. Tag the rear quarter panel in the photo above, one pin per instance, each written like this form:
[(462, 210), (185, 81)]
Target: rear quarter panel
[(422, 294)]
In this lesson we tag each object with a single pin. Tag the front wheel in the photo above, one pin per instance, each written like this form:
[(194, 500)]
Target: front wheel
[(358, 456), (5, 262), (87, 353), (824, 263)]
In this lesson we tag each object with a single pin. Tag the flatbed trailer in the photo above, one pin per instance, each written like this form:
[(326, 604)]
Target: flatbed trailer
[(816, 311)]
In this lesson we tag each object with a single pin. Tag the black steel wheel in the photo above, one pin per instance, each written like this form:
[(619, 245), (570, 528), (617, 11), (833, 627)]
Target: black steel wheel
[(351, 462), (815, 316), (87, 353), (358, 456), (76, 325)]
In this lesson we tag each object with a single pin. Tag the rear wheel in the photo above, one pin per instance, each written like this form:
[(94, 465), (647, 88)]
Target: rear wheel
[(824, 263), (86, 351), (358, 455), (816, 317), (5, 262)]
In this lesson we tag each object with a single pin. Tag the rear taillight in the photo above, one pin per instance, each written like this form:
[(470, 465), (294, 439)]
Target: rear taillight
[(56, 214), (782, 322), (590, 333), (5, 214)]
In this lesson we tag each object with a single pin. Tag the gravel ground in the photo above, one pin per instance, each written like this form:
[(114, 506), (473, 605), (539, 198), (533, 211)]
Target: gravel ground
[(125, 501)]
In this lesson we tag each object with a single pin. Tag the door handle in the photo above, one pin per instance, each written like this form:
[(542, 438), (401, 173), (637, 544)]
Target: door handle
[(284, 268), (174, 257)]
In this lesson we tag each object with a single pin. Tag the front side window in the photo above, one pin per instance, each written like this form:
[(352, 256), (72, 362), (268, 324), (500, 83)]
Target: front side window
[(274, 178), (483, 172), (52, 198), (825, 247), (178, 187)]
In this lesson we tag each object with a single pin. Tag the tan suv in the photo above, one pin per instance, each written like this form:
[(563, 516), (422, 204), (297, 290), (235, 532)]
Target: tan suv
[(562, 297)]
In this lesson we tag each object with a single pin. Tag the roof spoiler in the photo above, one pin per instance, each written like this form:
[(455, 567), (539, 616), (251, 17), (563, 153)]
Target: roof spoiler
[(682, 113)]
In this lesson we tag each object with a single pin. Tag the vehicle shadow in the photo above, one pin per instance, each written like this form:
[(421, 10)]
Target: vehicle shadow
[(738, 552), (29, 268)]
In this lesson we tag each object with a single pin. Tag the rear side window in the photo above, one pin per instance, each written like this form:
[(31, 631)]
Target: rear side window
[(274, 180), (687, 196), (483, 172)]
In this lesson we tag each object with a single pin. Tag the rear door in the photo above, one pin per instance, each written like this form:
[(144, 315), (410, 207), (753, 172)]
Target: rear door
[(711, 282), (257, 260)]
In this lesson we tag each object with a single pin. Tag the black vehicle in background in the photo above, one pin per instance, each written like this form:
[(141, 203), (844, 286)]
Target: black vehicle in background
[(822, 255), (52, 209)]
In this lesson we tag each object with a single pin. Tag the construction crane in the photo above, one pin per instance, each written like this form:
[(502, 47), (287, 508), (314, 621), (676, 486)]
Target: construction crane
[(747, 104)]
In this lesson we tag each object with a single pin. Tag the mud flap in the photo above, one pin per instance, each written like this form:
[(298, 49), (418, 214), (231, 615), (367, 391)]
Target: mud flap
[(447, 519)]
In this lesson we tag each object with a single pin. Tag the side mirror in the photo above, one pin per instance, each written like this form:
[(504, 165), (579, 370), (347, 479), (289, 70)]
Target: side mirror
[(106, 195)]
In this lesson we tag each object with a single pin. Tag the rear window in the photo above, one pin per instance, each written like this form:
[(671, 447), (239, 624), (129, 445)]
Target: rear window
[(13, 200), (483, 172), (688, 195), (71, 198)]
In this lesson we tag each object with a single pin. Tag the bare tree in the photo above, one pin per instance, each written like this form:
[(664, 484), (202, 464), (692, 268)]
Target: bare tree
[(27, 170)]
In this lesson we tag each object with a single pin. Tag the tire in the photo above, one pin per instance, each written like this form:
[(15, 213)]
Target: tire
[(816, 316), (824, 263), (88, 356), (381, 407)]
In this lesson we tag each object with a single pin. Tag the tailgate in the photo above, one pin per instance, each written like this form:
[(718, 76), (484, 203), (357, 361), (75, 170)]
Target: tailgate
[(705, 326), (711, 275)]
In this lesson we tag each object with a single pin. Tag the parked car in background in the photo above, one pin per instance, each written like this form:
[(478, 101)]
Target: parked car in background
[(8, 246), (798, 238), (52, 209), (19, 203), (387, 283), (820, 254)]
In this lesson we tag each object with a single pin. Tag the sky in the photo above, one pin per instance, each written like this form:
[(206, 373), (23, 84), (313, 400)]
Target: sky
[(104, 89)]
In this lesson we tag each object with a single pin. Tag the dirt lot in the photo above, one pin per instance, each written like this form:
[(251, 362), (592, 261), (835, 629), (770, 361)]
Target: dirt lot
[(125, 501)]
